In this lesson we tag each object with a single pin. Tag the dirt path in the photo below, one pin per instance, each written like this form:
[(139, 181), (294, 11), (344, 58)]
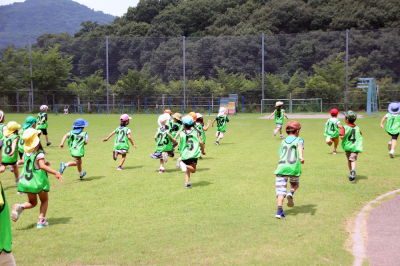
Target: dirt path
[(381, 230)]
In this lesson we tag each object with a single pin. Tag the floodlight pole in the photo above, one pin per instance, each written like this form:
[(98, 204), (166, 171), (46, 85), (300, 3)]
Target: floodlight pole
[(262, 64), (107, 106), (30, 62), (184, 72), (347, 70)]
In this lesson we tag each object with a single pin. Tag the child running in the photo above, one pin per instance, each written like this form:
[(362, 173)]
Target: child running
[(190, 145), (279, 117), (42, 122), (332, 127), (77, 139), (392, 125), (351, 142), (176, 127), (30, 122), (221, 119), (34, 181), (6, 256), (10, 148), (121, 144), (164, 142), (289, 166), (200, 126)]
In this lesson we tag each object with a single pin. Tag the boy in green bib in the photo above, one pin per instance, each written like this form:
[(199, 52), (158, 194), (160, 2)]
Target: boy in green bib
[(221, 119), (279, 115), (42, 122), (202, 128), (122, 139), (392, 126), (332, 127), (164, 142), (190, 146), (6, 256), (289, 166), (9, 151), (351, 141), (77, 139), (33, 180), (176, 127)]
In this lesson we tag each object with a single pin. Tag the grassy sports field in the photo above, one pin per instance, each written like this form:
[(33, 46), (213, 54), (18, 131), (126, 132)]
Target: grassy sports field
[(138, 216)]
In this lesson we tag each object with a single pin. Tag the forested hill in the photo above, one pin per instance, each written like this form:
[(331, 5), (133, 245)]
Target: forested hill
[(32, 18), (157, 18)]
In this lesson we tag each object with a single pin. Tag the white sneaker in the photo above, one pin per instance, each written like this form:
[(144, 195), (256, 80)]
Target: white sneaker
[(290, 202), (391, 154), (328, 139), (183, 166), (178, 162), (275, 131), (389, 145), (165, 156), (281, 136)]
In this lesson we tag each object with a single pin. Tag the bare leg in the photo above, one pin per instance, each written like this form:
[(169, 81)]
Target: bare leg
[(47, 138), (161, 163), (32, 201), (353, 165), (187, 176), (2, 168), (16, 172), (44, 203), (191, 168), (280, 199), (349, 164), (122, 159), (79, 164), (394, 142)]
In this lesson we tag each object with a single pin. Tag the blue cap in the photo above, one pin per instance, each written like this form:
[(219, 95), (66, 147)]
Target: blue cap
[(187, 120), (80, 123)]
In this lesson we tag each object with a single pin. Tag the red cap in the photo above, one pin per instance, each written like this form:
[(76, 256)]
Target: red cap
[(293, 124), (167, 111), (334, 111), (193, 114)]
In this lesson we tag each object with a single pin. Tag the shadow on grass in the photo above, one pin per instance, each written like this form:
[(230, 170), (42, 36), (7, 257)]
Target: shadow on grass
[(358, 177), (224, 143), (205, 157), (200, 169), (91, 178), (9, 187), (201, 184), (309, 208), (52, 221), (133, 167)]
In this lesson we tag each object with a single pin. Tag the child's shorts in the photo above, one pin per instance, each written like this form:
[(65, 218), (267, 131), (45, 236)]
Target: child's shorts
[(279, 125), (394, 136), (220, 133), (190, 161), (335, 141), (77, 159), (351, 156), (158, 155), (44, 131), (122, 151), (5, 164), (281, 184)]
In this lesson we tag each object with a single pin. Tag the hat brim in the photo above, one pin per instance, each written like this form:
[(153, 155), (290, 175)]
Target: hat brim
[(84, 125), (8, 132), (31, 146), (177, 118)]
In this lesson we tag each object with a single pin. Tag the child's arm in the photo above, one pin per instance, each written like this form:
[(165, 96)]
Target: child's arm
[(13, 147), (284, 114), (109, 136), (300, 147), (155, 136), (212, 125), (208, 125), (130, 139), (383, 120), (86, 139), (271, 115), (171, 138), (44, 166), (63, 140)]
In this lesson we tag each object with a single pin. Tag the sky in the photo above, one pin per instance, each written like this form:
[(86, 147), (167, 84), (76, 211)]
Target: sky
[(113, 7)]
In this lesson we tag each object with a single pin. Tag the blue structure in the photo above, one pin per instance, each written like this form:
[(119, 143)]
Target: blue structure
[(372, 95)]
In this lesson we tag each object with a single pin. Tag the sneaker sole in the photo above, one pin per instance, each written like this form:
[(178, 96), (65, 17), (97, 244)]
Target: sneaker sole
[(391, 155), (164, 157), (14, 213), (389, 147), (279, 216), (290, 202)]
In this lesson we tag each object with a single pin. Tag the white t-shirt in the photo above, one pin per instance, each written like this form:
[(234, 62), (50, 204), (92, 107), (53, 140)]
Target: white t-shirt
[(387, 115), (333, 119), (38, 157)]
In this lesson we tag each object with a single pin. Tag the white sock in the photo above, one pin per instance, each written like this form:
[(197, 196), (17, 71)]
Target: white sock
[(391, 151), (162, 168), (390, 142), (80, 173), (66, 164), (17, 163)]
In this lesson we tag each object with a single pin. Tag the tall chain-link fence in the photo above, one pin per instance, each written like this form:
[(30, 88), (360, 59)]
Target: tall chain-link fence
[(142, 74)]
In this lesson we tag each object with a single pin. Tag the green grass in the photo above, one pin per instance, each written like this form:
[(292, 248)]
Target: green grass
[(138, 216)]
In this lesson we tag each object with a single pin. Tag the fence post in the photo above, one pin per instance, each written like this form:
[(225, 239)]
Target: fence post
[(242, 104), (131, 108), (98, 106), (218, 105), (157, 107), (81, 109), (194, 104), (145, 105), (74, 106), (106, 109), (55, 108), (169, 103), (107, 73), (122, 107), (209, 109), (183, 108), (262, 64)]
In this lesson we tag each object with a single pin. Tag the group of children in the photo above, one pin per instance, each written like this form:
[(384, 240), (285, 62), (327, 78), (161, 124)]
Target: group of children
[(291, 149)]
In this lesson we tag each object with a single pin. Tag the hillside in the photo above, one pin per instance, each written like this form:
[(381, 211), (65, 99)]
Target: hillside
[(32, 18)]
